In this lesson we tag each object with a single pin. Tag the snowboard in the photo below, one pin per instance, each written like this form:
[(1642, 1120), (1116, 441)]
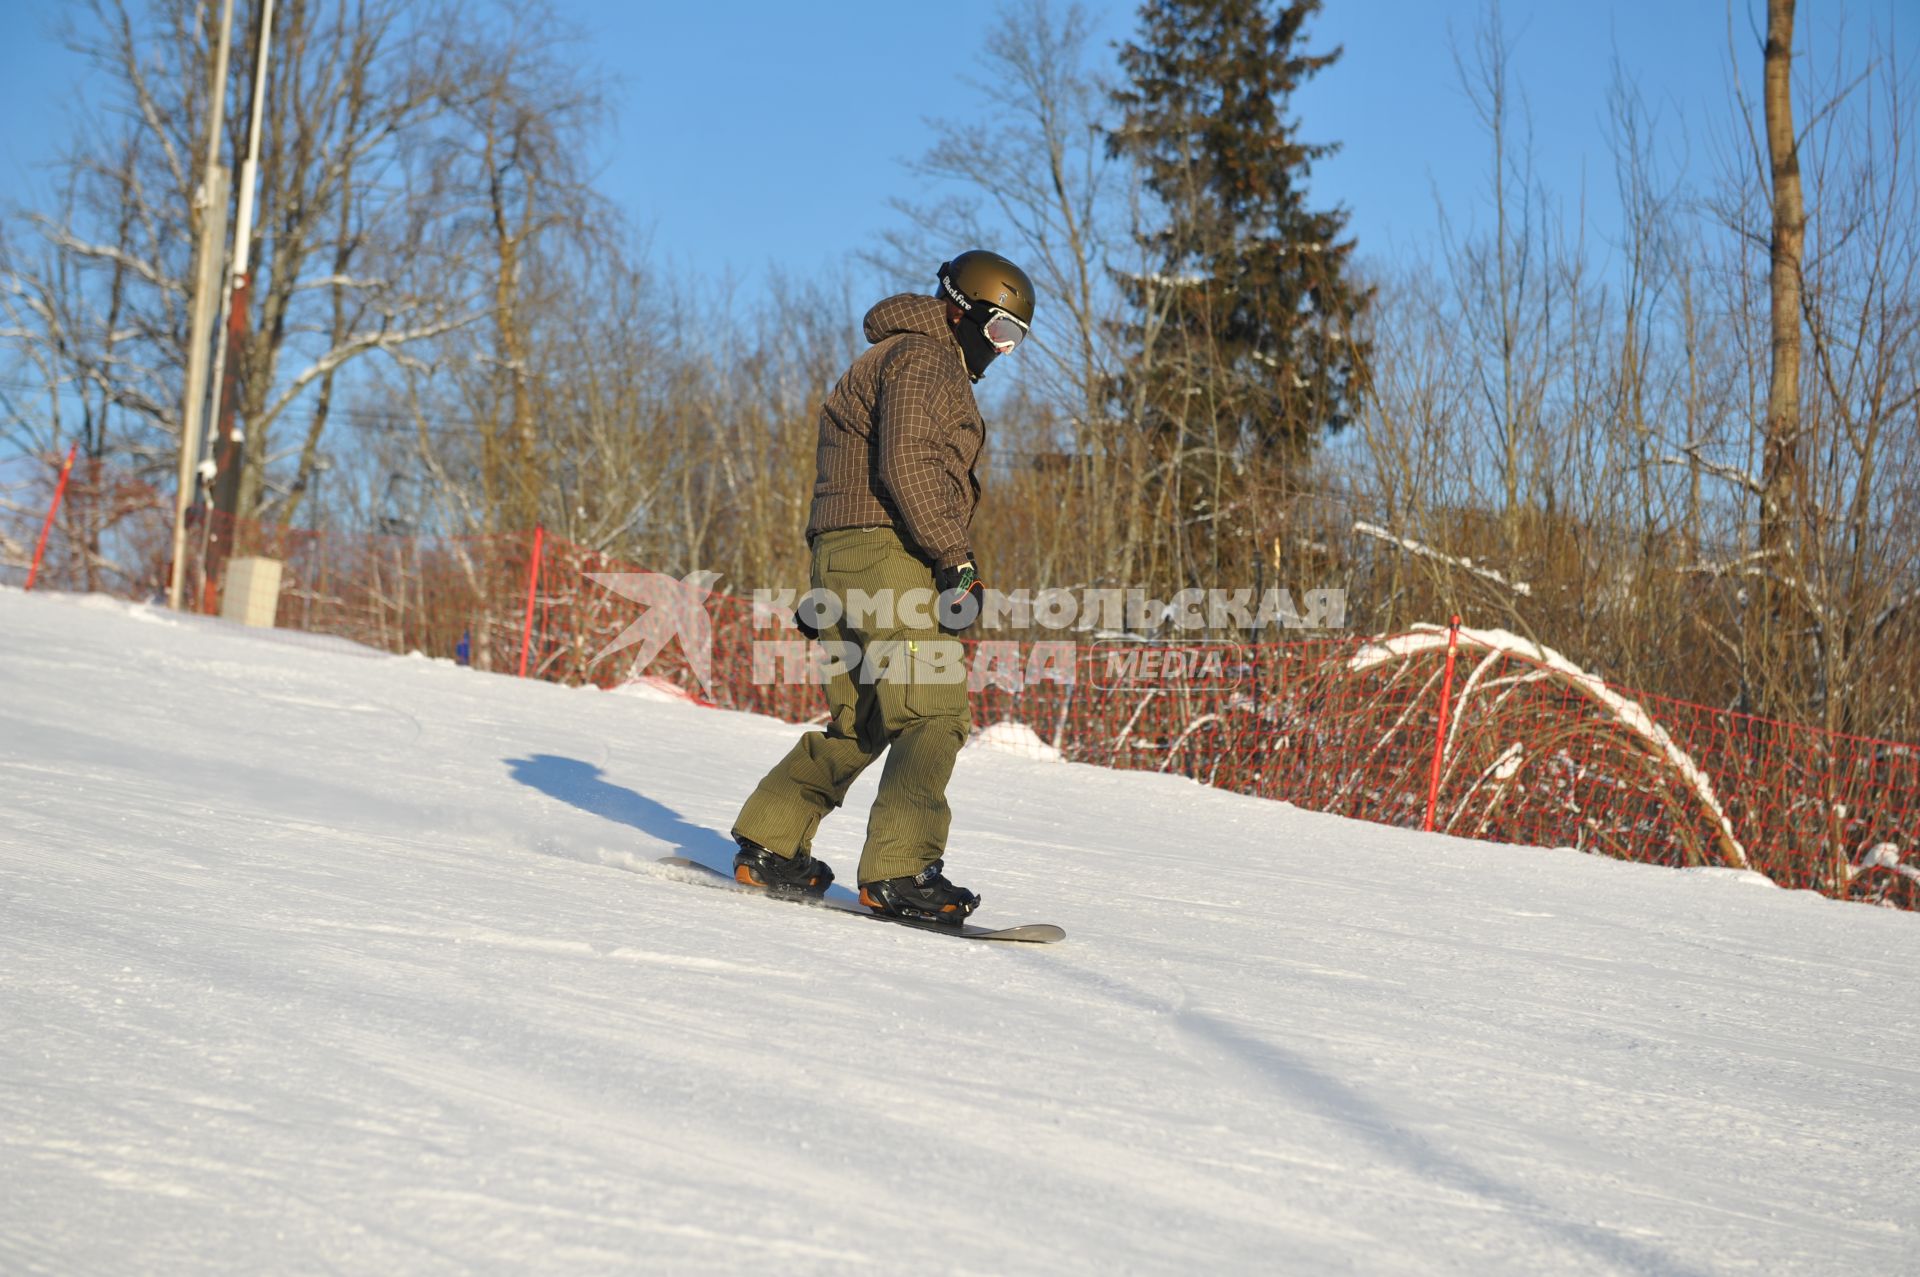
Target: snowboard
[(1030, 933)]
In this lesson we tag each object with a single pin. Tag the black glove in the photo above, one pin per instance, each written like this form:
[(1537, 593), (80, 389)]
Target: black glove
[(961, 595), (812, 612)]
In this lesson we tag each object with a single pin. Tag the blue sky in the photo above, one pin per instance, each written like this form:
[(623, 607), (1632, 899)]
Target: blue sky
[(749, 134)]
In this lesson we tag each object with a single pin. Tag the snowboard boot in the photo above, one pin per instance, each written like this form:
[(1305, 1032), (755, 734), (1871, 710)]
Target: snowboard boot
[(796, 875), (925, 897)]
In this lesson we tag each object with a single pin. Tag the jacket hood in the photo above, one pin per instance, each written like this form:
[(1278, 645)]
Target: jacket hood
[(908, 313)]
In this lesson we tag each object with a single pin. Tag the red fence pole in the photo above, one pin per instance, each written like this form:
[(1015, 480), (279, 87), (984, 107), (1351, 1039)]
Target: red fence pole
[(59, 490), (1440, 731), (533, 585)]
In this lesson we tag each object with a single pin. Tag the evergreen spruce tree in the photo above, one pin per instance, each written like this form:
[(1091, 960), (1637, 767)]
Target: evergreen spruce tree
[(1252, 309)]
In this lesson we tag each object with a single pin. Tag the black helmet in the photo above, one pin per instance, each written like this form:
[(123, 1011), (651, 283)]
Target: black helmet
[(995, 298)]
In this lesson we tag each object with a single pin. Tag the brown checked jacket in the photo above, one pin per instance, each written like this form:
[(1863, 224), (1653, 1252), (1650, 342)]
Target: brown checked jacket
[(900, 433)]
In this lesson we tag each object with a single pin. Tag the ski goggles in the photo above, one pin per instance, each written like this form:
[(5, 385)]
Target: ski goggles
[(1002, 329)]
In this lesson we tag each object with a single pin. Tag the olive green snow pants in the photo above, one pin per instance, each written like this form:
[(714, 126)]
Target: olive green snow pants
[(905, 692)]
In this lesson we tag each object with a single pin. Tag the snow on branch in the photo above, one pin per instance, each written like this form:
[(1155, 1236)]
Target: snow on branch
[(62, 238), (1162, 279), (1884, 856), (1733, 474), (1893, 609), (1745, 565), (388, 339), (1754, 564), (1629, 714), (339, 281), (1425, 551)]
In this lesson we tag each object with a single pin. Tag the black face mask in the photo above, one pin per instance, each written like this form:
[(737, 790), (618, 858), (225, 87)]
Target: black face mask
[(974, 347)]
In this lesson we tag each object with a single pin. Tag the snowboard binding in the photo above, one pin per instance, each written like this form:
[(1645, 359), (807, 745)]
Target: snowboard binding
[(796, 875), (924, 897)]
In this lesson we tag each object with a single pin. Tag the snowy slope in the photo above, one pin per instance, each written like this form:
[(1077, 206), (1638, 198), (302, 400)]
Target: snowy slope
[(312, 960)]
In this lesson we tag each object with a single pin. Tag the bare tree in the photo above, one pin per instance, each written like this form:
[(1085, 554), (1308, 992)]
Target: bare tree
[(97, 286), (1026, 172), (1783, 469)]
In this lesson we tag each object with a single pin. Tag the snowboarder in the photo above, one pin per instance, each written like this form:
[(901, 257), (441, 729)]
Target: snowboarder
[(893, 503)]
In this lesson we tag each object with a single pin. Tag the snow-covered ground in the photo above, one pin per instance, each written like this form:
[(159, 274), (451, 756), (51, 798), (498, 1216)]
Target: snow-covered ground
[(317, 961)]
